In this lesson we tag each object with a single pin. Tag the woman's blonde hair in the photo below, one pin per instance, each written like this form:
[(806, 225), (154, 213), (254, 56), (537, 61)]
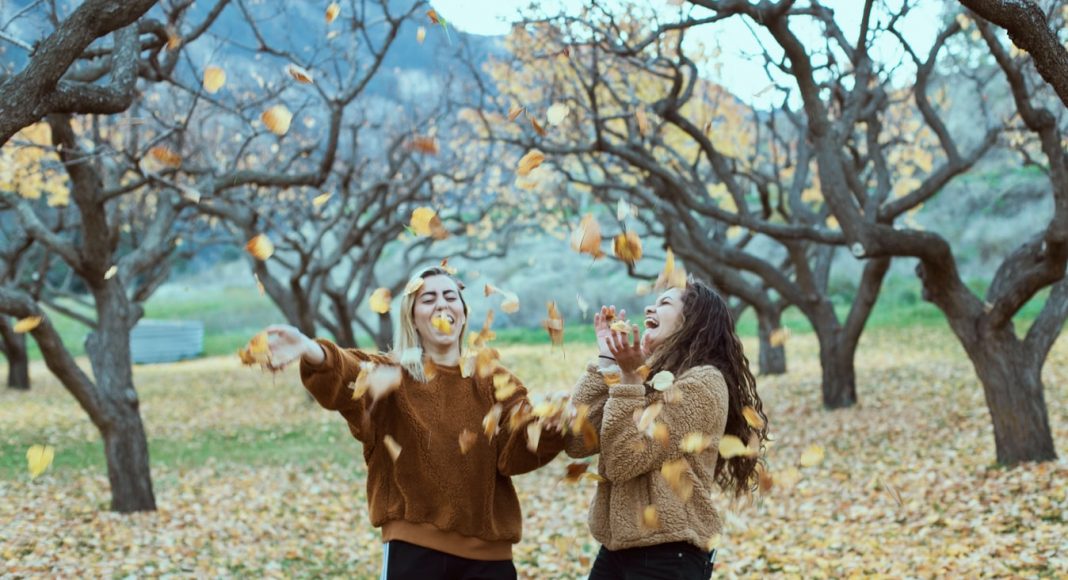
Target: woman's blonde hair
[(408, 347)]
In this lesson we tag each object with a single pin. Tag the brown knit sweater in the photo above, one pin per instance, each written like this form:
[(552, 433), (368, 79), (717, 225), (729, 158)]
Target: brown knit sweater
[(432, 495), (630, 462)]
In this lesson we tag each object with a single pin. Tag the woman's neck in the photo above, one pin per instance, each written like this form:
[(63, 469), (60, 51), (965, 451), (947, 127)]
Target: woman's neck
[(443, 356)]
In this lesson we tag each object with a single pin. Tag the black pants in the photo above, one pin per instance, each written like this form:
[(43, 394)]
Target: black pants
[(404, 561), (674, 561)]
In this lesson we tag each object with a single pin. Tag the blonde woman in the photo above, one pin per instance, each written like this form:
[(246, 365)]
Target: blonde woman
[(444, 512)]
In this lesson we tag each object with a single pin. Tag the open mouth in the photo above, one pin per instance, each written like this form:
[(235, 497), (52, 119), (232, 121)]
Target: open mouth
[(651, 324)]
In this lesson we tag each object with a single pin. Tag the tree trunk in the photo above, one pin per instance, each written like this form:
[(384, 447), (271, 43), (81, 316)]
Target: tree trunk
[(125, 444), (772, 357), (839, 382), (18, 361), (1012, 385), (384, 337)]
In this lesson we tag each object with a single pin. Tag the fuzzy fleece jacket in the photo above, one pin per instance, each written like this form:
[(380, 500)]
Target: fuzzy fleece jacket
[(630, 461)]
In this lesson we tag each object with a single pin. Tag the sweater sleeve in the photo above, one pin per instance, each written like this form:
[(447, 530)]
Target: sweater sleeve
[(328, 382), (514, 457), (592, 392), (627, 453)]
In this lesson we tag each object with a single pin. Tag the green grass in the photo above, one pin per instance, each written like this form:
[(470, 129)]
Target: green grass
[(301, 445)]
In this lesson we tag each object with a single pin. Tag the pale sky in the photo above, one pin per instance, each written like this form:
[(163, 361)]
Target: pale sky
[(741, 73)]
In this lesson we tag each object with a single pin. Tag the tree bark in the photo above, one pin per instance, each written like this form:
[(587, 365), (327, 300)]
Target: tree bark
[(772, 358), (18, 361), (1012, 385), (839, 382), (125, 443)]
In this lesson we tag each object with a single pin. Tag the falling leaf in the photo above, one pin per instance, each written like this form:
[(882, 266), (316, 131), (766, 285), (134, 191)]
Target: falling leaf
[(643, 122), (260, 247), (554, 325), (518, 416), (620, 326), (321, 199), (528, 162), (672, 276), (752, 417), (362, 383), (413, 286), (433, 16), (39, 458), (779, 336), (581, 425), (533, 436), (174, 39), (426, 222), (812, 456), (649, 518), (382, 380), (420, 34), (24, 325), (467, 440), (491, 420), (111, 272), (441, 324), (674, 472), (643, 372), (444, 265), (424, 144), (332, 12), (257, 351), (392, 447), (661, 435), (580, 470), (612, 375), (214, 79), (380, 300), (277, 119), (643, 288), (765, 481), (586, 238), (537, 127), (514, 112), (483, 336), (695, 442), (731, 446), (299, 74), (557, 113), (503, 386), (510, 305), (166, 156), (663, 380), (622, 210), (582, 304), (627, 247), (486, 362), (649, 415)]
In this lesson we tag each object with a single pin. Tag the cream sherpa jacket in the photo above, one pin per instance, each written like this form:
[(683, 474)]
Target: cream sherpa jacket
[(630, 461)]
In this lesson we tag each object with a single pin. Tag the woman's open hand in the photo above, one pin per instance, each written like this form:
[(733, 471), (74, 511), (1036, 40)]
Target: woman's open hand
[(602, 326), (288, 344), (628, 353)]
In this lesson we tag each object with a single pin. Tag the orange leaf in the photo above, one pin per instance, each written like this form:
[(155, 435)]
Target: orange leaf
[(627, 247), (260, 247), (423, 144), (674, 472), (586, 238), (491, 420), (554, 325), (332, 12), (433, 16), (426, 222), (514, 112), (467, 439), (532, 159), (299, 74), (166, 156), (392, 447), (537, 127), (277, 119), (752, 417)]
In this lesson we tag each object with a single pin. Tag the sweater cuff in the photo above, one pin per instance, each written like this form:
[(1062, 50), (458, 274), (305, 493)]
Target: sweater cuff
[(329, 359), (622, 391)]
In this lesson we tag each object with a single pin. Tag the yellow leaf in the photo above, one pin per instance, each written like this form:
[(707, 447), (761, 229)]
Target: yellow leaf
[(467, 440), (214, 79), (612, 375), (779, 336), (27, 324), (752, 418), (648, 415), (649, 518), (554, 325), (39, 458), (380, 300), (627, 247), (300, 74), (413, 286), (165, 156), (672, 276), (420, 34), (557, 113), (731, 446), (514, 112), (663, 380), (503, 386), (277, 119), (332, 12), (695, 442), (260, 247), (491, 420), (643, 122), (620, 326), (674, 472), (111, 272), (661, 434), (392, 447), (510, 305), (533, 436), (257, 351), (426, 222), (441, 324), (174, 40), (643, 371), (532, 159), (812, 456), (321, 199), (586, 238)]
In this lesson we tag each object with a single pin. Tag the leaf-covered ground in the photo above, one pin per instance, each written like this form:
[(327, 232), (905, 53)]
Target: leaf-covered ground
[(253, 480)]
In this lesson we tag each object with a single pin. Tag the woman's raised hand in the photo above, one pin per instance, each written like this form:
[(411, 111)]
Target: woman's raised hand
[(602, 326), (288, 344), (628, 353)]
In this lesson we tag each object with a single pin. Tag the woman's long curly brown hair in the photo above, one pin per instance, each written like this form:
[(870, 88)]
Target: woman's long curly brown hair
[(707, 336)]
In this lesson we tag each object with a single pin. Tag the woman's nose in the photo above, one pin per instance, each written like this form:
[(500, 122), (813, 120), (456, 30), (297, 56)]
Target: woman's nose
[(649, 310)]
